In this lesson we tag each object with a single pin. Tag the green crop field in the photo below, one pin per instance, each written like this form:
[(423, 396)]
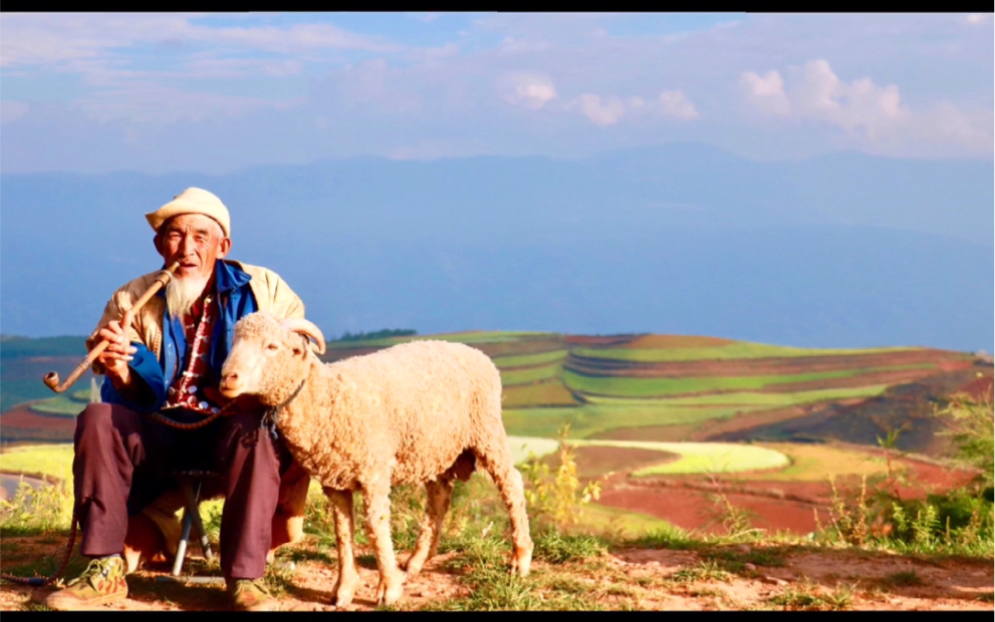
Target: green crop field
[(622, 386), (772, 400), (61, 405), (55, 460), (524, 375), (736, 350), (694, 457), (814, 463), (590, 419), (529, 360), (549, 392)]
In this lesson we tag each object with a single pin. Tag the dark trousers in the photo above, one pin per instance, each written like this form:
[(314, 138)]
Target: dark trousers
[(124, 460)]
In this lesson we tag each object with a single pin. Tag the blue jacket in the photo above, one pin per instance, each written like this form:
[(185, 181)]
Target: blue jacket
[(236, 300)]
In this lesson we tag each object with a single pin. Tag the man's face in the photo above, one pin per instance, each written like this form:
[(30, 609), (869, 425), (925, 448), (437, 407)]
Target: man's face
[(196, 241)]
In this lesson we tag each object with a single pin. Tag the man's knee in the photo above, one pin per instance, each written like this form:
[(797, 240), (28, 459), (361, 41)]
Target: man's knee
[(100, 420)]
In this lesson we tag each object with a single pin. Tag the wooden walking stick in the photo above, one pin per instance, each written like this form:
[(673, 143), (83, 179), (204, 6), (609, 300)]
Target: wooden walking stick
[(51, 379)]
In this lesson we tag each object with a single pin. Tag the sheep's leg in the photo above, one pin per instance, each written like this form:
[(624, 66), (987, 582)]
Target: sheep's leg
[(499, 464), (342, 513), (377, 496), (440, 493)]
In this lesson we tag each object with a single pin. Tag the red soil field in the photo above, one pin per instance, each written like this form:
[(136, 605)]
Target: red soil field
[(689, 503), (598, 460), (898, 376), (656, 342), (609, 340), (22, 423), (982, 387), (695, 510)]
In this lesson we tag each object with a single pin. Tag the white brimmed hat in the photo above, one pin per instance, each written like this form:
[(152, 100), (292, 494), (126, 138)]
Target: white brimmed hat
[(192, 201)]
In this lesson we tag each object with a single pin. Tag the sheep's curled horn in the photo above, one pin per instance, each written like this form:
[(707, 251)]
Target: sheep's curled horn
[(306, 328)]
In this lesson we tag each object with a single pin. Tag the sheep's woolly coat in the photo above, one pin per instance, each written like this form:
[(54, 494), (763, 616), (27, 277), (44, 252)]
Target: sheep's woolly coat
[(421, 412), (419, 405)]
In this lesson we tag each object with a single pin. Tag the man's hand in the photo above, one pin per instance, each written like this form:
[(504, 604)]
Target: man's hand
[(118, 354)]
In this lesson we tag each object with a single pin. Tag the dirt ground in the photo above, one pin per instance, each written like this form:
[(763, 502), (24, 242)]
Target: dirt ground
[(765, 576), (647, 579)]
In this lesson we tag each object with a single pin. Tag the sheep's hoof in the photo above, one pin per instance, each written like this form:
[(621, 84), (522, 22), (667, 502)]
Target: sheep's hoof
[(345, 590), (389, 595), (342, 598), (520, 564)]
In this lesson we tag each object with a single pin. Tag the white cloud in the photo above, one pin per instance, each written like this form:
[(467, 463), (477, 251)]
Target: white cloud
[(978, 18), (528, 90), (676, 104), (605, 111), (39, 38), (858, 106), (866, 111), (767, 92), (601, 114)]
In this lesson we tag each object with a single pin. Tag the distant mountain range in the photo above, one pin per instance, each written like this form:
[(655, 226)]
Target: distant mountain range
[(844, 250)]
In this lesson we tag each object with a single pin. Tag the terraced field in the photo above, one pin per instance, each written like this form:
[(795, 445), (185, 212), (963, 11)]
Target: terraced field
[(658, 415), (652, 388)]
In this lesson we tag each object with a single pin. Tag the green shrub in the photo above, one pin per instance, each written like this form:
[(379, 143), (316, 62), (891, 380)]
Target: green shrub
[(37, 510)]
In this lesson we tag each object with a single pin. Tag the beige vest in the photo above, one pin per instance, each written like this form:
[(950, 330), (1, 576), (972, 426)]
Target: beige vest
[(272, 294)]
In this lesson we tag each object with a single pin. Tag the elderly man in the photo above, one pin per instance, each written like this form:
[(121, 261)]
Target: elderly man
[(166, 359)]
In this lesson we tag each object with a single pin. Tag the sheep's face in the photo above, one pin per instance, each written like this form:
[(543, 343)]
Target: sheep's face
[(266, 360)]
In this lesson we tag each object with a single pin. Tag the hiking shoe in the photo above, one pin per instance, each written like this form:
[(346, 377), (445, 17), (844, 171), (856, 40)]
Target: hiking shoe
[(101, 583), (250, 595)]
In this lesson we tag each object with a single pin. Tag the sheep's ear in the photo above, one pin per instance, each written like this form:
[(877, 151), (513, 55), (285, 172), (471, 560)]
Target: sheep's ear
[(302, 349)]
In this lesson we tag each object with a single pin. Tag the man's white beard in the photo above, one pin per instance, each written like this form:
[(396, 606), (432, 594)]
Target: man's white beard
[(182, 293)]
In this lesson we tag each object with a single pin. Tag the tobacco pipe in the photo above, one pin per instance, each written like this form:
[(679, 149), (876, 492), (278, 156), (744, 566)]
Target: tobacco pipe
[(51, 379)]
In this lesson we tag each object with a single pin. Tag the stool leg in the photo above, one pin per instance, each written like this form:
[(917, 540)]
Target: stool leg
[(198, 523), (181, 549)]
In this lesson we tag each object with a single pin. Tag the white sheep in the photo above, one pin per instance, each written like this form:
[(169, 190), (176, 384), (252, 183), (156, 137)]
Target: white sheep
[(420, 412)]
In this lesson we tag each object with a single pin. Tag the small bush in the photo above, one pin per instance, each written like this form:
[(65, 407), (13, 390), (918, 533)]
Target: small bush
[(44, 509), (557, 500)]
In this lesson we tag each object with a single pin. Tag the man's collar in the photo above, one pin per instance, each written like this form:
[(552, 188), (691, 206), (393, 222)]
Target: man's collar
[(229, 276)]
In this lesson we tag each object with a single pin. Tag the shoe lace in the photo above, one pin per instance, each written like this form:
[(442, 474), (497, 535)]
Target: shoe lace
[(96, 568)]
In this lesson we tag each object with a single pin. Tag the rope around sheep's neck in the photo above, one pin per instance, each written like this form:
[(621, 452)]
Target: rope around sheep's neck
[(270, 416)]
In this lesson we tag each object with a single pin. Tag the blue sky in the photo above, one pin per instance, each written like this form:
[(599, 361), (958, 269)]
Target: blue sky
[(213, 93)]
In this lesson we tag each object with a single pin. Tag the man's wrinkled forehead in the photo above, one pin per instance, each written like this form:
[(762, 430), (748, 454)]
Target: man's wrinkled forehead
[(196, 223)]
